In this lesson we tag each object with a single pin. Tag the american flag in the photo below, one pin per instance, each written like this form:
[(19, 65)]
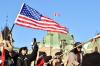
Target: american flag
[(31, 18)]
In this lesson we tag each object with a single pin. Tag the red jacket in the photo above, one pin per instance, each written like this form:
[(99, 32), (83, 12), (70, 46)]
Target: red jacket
[(40, 61)]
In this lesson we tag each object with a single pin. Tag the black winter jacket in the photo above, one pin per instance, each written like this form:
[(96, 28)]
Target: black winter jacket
[(27, 59)]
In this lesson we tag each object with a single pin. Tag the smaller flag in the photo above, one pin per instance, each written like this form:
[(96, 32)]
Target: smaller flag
[(31, 18), (56, 14)]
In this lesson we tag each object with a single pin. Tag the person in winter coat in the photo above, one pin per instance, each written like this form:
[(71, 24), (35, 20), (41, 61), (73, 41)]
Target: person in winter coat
[(25, 59), (75, 55), (58, 59), (11, 58), (5, 47)]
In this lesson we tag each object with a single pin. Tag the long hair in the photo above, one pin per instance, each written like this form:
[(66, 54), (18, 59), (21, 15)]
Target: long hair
[(22, 48), (75, 51)]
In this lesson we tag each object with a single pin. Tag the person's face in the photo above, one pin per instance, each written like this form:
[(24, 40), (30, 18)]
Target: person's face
[(24, 52), (79, 49)]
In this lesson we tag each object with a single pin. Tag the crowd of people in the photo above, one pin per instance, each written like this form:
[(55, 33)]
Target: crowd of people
[(76, 57), (21, 58)]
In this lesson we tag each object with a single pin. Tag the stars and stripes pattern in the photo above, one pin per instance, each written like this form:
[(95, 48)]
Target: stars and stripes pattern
[(31, 18)]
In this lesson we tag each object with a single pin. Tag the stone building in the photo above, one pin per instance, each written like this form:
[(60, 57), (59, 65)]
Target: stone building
[(55, 42)]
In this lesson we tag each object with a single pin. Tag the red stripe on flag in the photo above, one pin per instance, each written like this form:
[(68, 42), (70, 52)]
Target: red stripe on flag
[(40, 22), (40, 25), (28, 26), (47, 24)]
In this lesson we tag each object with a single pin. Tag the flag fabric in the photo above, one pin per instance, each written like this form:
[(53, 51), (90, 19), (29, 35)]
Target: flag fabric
[(31, 18), (56, 14)]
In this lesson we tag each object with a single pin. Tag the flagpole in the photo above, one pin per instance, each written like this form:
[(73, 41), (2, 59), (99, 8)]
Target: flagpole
[(19, 11), (12, 28), (16, 19)]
